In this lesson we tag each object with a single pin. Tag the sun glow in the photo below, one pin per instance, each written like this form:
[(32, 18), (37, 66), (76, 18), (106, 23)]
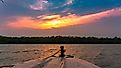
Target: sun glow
[(51, 24), (59, 21)]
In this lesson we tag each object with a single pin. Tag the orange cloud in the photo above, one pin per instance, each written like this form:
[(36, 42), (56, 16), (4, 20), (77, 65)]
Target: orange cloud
[(58, 21), (24, 22)]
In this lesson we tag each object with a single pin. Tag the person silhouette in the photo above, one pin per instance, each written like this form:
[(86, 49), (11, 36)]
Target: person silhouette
[(62, 51)]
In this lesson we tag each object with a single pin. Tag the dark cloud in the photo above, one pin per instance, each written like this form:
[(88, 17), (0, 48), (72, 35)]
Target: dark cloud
[(18, 7)]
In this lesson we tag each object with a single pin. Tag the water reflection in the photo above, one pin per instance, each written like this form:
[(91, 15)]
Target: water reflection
[(105, 56)]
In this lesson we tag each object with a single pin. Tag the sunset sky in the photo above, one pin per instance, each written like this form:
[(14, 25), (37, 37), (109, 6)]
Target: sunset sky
[(100, 18)]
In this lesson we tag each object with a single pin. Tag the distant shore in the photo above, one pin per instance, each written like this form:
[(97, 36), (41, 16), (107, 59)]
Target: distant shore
[(59, 40)]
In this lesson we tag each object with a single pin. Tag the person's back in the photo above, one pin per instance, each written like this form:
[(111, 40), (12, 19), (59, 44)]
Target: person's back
[(62, 51)]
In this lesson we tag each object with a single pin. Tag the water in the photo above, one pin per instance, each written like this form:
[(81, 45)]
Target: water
[(103, 55)]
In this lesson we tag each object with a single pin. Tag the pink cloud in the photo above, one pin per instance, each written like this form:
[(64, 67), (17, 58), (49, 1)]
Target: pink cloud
[(58, 21), (40, 5)]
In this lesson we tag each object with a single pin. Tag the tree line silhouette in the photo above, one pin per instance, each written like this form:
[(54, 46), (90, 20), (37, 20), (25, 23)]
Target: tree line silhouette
[(59, 40)]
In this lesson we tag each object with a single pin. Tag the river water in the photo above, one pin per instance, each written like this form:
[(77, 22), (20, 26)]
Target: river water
[(103, 55)]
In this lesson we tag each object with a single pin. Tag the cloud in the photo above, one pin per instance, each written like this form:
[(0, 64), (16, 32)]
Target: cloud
[(45, 4), (50, 17), (69, 2), (40, 5), (59, 21), (28, 7)]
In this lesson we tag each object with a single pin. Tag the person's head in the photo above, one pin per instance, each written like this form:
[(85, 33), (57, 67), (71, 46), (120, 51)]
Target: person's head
[(62, 47)]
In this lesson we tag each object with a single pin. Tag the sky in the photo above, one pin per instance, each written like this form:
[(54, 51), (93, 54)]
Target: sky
[(99, 18)]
